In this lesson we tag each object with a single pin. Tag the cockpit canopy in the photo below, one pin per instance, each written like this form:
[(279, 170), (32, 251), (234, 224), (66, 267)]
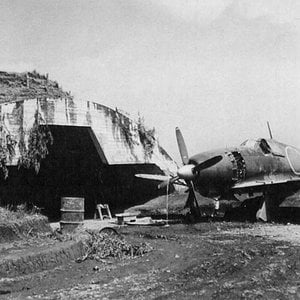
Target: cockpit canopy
[(251, 143), (267, 147)]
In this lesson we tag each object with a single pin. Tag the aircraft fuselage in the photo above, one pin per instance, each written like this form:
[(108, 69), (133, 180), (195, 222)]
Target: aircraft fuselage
[(250, 167)]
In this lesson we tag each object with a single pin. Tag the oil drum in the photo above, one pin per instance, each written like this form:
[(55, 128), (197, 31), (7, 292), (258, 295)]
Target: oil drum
[(72, 213)]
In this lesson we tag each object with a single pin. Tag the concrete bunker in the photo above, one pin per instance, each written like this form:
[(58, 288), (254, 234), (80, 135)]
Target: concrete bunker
[(76, 167), (95, 154)]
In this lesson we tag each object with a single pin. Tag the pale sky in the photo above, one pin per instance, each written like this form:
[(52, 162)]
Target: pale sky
[(218, 69)]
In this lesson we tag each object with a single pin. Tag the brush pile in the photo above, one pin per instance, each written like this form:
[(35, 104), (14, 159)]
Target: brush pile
[(100, 246)]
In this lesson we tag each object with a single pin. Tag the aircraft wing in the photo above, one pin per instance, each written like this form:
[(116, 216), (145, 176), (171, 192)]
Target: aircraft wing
[(162, 178), (258, 183), (153, 177)]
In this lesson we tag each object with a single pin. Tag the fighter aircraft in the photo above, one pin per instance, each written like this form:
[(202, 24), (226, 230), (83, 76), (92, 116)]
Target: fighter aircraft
[(257, 167)]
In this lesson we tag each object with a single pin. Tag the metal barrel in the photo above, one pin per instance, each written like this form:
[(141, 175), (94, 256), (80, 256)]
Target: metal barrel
[(72, 213)]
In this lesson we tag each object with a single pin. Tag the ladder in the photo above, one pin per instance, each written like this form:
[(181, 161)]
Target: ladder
[(104, 208)]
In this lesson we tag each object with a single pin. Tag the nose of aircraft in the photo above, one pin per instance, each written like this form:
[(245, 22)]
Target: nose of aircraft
[(215, 175), (206, 167), (189, 171), (186, 172)]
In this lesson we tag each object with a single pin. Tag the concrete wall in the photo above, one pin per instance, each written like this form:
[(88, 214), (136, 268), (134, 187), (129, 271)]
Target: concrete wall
[(108, 127)]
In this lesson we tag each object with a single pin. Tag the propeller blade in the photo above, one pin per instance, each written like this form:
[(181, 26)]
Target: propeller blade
[(208, 163), (153, 177), (190, 198), (167, 182), (192, 202), (182, 147), (163, 184)]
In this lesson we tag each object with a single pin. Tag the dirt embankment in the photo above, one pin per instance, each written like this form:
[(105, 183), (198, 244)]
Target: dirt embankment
[(22, 229), (29, 85), (16, 225), (28, 245), (175, 203)]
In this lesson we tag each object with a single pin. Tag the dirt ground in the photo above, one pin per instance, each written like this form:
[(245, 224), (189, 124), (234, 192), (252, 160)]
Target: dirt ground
[(209, 260)]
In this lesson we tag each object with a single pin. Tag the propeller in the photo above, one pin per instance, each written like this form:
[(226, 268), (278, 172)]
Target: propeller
[(182, 147), (208, 163), (186, 173), (153, 177), (189, 171)]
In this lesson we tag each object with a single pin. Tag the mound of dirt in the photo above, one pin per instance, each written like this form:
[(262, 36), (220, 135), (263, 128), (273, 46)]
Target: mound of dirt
[(18, 229), (176, 205), (29, 85)]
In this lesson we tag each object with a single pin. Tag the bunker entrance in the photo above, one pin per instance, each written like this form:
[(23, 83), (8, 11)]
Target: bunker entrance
[(70, 170), (75, 167)]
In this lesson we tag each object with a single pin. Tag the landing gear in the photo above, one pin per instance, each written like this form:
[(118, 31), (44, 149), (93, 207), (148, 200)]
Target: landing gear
[(261, 214), (266, 212)]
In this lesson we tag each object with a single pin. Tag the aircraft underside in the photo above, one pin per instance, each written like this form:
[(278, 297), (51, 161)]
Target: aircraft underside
[(262, 205)]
